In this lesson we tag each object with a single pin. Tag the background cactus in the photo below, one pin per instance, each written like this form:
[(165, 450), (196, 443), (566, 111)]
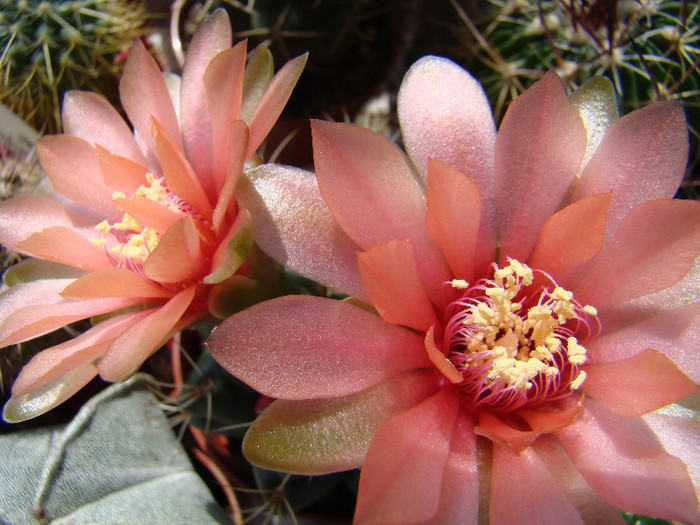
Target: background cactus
[(49, 47)]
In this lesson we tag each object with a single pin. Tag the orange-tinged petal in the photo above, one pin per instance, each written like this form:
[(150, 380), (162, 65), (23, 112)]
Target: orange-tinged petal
[(232, 250), (179, 176), (178, 256), (402, 474), (273, 101), (120, 173), (148, 213), (548, 419), (113, 282), (132, 348), (390, 277), (638, 384), (493, 427), (439, 359), (238, 142), (571, 237), (453, 217), (66, 246)]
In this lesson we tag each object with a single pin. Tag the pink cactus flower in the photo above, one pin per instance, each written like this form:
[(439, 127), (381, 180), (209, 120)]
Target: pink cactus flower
[(146, 219), (534, 303)]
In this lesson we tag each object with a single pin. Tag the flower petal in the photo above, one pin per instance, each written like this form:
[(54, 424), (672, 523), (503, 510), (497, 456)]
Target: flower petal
[(149, 213), (320, 436), (238, 141), (71, 165), (402, 474), (390, 277), (120, 173), (499, 431), (132, 347), (624, 463), (642, 157), (570, 238), (92, 118), (653, 248), (638, 384), (453, 216), (177, 257), (112, 282), (373, 195), (292, 224), (523, 490), (273, 101), (301, 347), (258, 74), (538, 152), (65, 245), (232, 250)]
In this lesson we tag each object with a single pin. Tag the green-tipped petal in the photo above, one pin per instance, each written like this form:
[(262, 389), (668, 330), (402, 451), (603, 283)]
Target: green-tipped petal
[(329, 435), (235, 252), (37, 269), (596, 102), (258, 74)]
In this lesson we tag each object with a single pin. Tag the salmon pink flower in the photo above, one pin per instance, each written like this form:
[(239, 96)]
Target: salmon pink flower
[(147, 220), (532, 309)]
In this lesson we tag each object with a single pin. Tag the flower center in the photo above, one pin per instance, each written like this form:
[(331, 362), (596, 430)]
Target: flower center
[(516, 338)]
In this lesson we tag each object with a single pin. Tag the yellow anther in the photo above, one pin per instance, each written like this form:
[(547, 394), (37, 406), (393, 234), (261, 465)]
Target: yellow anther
[(578, 381), (590, 310), (118, 195), (98, 242), (460, 284)]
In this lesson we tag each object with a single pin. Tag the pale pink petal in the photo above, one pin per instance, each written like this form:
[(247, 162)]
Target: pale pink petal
[(92, 118), (223, 82), (653, 248), (113, 282), (402, 474), (145, 96), (212, 37), (66, 246), (523, 491), (453, 217), (588, 504), (496, 427), (71, 165), (641, 157), (675, 333), (238, 141), (179, 176), (390, 277), (120, 173), (26, 214), (178, 256), (459, 496), (138, 342), (273, 101), (638, 384), (538, 152), (49, 395), (571, 238), (292, 224), (302, 347), (624, 463), (319, 436), (30, 293), (373, 195), (53, 362)]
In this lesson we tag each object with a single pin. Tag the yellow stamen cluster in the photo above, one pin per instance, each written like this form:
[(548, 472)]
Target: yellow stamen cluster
[(521, 345)]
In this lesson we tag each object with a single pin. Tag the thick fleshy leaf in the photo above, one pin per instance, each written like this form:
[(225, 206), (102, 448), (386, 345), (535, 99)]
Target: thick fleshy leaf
[(232, 251), (373, 195), (523, 491), (596, 103), (113, 282), (453, 217), (538, 152), (638, 384), (459, 496), (92, 118), (625, 464), (390, 277), (258, 74), (177, 257), (320, 436), (71, 165), (132, 348), (570, 238), (675, 333), (26, 214), (66, 246), (273, 101), (292, 224), (120, 173), (653, 248), (58, 360), (145, 97), (212, 37), (589, 505), (642, 157), (301, 347), (402, 474)]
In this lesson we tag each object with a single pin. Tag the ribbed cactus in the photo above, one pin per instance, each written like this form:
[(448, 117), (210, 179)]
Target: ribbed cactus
[(649, 48), (49, 47)]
